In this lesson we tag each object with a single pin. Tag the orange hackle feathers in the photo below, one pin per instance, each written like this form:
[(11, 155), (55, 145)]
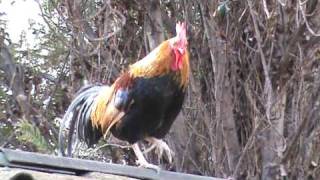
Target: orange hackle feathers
[(158, 63), (154, 64)]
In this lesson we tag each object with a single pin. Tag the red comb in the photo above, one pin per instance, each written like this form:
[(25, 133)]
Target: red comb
[(181, 30)]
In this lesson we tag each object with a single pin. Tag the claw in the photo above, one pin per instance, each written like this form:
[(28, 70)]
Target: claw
[(149, 166), (161, 147), (142, 161), (150, 148)]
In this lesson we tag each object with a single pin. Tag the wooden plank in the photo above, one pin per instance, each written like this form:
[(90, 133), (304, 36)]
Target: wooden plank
[(79, 166)]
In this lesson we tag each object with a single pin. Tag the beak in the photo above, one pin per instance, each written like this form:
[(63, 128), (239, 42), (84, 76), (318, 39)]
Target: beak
[(181, 50)]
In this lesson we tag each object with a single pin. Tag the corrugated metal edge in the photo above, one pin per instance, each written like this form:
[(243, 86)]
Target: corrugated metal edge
[(3, 159), (78, 166)]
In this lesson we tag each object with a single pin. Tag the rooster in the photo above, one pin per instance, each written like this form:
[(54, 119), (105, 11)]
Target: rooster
[(141, 104)]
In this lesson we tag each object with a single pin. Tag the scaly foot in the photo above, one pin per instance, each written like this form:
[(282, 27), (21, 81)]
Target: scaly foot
[(142, 161), (147, 165), (160, 146)]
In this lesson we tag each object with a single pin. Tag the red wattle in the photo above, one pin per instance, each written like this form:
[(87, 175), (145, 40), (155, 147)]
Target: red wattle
[(177, 63)]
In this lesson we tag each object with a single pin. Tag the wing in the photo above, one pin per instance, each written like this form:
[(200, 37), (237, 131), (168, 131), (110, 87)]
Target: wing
[(111, 105)]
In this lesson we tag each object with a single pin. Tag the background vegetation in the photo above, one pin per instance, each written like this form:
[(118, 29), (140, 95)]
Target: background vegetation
[(253, 106)]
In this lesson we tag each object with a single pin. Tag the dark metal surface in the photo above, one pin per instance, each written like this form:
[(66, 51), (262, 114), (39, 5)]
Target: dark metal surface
[(47, 163)]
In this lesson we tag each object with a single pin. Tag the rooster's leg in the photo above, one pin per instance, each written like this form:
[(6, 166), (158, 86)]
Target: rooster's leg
[(141, 160), (160, 146)]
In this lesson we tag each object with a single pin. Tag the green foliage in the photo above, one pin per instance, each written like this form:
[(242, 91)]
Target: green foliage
[(3, 101), (5, 129), (3, 94), (49, 5), (31, 134)]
